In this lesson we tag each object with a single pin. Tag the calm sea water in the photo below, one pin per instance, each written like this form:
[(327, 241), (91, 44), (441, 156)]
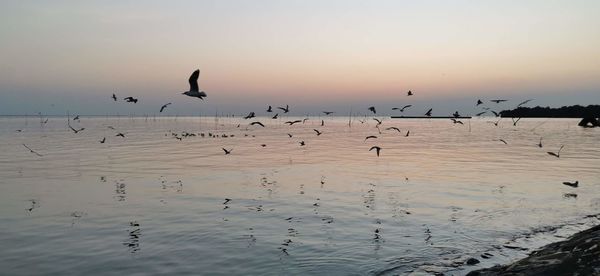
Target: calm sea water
[(150, 203)]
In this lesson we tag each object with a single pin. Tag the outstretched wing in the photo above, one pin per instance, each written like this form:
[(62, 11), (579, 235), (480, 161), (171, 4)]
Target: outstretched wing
[(194, 80)]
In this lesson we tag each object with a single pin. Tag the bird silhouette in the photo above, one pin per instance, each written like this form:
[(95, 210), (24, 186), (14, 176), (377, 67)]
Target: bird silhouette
[(302, 143), (328, 112), (103, 140), (290, 135), (163, 107), (524, 102), (495, 113), (257, 123), (403, 108), (455, 121), (114, 97), (394, 128), (293, 122), (226, 153), (540, 143), (76, 130), (275, 117), (372, 109), (194, 89), (131, 100), (428, 113), (32, 151), (409, 93), (270, 109), (515, 122), (378, 121), (376, 148), (478, 102), (557, 154), (122, 135), (502, 140), (572, 184), (304, 120), (498, 101), (76, 118), (370, 137), (286, 109), (250, 115), (407, 133), (456, 114), (318, 132), (480, 113), (322, 122)]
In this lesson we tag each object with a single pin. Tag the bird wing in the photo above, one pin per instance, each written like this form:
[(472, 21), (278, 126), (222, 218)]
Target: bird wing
[(194, 81)]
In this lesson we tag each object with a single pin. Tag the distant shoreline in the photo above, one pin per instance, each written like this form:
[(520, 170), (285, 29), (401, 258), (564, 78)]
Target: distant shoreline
[(575, 111)]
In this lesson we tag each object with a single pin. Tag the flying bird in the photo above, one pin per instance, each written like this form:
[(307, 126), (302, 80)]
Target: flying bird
[(372, 109), (286, 109), (455, 121), (540, 143), (394, 128), (402, 109), (407, 133), (495, 113), (290, 135), (304, 120), (293, 122), (378, 121), (318, 132), (257, 123), (409, 93), (76, 130), (322, 122), (370, 137), (456, 115), (328, 112), (131, 100), (479, 102), (114, 97), (250, 115), (32, 151), (123, 135), (557, 154), (428, 113), (76, 118), (376, 148), (103, 140), (502, 140), (524, 102), (164, 106), (515, 122), (226, 153), (480, 113), (498, 101), (572, 184), (194, 90), (270, 109), (302, 143), (275, 117)]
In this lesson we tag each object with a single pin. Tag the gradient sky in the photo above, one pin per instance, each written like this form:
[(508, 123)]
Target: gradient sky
[(313, 55)]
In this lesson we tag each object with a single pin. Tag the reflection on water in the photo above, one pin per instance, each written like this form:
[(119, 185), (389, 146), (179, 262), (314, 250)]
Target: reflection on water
[(432, 200)]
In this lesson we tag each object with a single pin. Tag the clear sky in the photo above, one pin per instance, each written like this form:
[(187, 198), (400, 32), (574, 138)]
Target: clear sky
[(313, 55)]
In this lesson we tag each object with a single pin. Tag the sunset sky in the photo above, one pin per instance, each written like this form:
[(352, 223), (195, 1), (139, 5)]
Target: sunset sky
[(313, 55)]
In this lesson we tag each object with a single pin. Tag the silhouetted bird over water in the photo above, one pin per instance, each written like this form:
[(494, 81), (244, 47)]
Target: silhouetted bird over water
[(286, 109), (557, 154), (194, 90), (403, 108), (257, 123), (114, 97), (328, 112), (164, 106), (376, 148), (478, 102), (103, 140), (428, 113), (226, 153), (572, 184), (498, 101), (540, 143), (409, 93), (372, 109), (131, 100), (32, 151), (270, 109)]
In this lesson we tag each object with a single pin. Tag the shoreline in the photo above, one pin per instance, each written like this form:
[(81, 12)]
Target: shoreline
[(577, 255)]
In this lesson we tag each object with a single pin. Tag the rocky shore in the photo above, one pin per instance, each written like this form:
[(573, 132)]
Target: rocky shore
[(578, 255)]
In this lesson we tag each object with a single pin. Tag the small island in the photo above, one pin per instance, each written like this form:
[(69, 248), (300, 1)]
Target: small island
[(589, 114)]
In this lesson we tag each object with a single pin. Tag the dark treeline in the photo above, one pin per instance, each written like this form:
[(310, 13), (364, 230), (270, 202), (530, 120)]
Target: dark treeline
[(575, 111)]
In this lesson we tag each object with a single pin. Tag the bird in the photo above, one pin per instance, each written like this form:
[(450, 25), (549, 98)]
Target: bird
[(515, 122), (164, 106), (402, 109), (103, 140), (524, 102), (318, 132), (407, 133), (226, 153), (496, 122), (479, 102), (456, 115), (275, 117), (302, 143), (328, 112), (32, 151), (495, 113), (370, 137), (540, 143), (304, 120), (378, 149), (409, 93), (76, 130), (428, 113), (131, 100), (286, 109), (263, 145), (378, 121), (502, 140), (122, 135), (572, 184), (498, 101), (257, 123), (114, 97), (290, 135), (76, 118), (250, 115), (394, 128), (372, 109), (455, 121), (557, 154), (322, 122), (293, 122), (194, 90), (480, 113), (270, 109)]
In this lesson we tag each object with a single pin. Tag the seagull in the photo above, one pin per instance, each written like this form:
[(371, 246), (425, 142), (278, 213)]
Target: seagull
[(372, 108), (455, 121), (164, 106), (226, 153), (302, 143), (515, 122), (76, 130), (572, 184), (194, 90), (409, 93), (524, 102), (378, 121), (122, 135), (498, 101), (407, 133), (557, 155), (131, 100), (32, 151), (428, 113), (540, 143), (286, 109), (480, 113), (290, 135), (114, 97), (394, 128), (402, 109), (270, 109), (76, 118), (250, 115), (257, 123), (502, 140), (495, 113), (103, 140), (275, 117), (376, 149), (318, 132), (293, 122), (304, 120), (479, 102), (370, 136), (328, 112)]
